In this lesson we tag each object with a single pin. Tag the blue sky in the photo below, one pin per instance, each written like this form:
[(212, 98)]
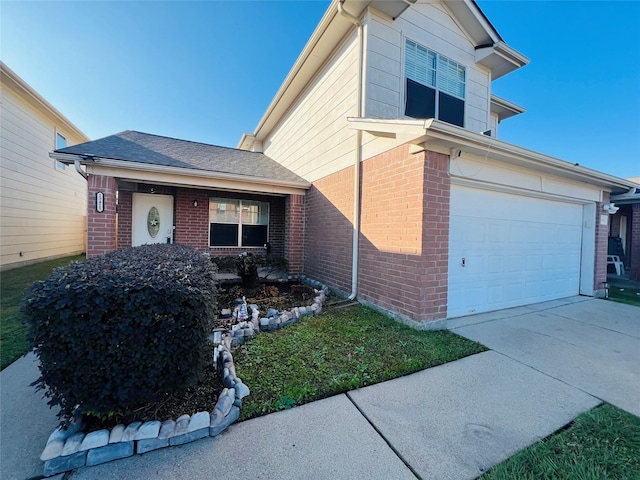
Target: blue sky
[(206, 71)]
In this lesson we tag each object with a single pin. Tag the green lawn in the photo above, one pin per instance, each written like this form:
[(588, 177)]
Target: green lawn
[(340, 350), (601, 444), (625, 295), (13, 283)]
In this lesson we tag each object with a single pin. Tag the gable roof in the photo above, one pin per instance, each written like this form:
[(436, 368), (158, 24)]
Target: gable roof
[(145, 151), (491, 51)]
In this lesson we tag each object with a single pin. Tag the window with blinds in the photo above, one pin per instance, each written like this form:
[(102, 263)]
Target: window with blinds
[(238, 223), (435, 85)]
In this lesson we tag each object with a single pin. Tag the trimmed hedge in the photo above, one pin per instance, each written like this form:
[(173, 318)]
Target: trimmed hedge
[(123, 329)]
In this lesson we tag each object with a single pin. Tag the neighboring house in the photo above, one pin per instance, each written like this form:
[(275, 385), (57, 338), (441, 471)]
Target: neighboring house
[(43, 202), (401, 194), (624, 232)]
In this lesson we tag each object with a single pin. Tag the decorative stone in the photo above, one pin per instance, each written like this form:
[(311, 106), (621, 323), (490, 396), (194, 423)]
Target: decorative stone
[(116, 434), (217, 336), (272, 312), (148, 430), (224, 404), (264, 322), (303, 311), (167, 429), (62, 434), (241, 390), (216, 356), (149, 444), (235, 341), (225, 313), (72, 445), (130, 431), (52, 449), (248, 333), (189, 437), (110, 452), (198, 421), (182, 425), (219, 422), (95, 440), (63, 464)]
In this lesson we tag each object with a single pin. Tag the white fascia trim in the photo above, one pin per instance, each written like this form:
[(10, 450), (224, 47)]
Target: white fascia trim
[(10, 77), (511, 54), (504, 108), (176, 171), (448, 136)]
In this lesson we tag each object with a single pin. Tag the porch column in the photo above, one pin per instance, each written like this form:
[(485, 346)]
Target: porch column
[(294, 233), (634, 248), (101, 226)]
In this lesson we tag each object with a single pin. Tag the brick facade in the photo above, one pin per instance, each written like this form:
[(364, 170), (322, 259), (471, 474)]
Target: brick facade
[(294, 233), (404, 232), (602, 245), (634, 247), (101, 226), (404, 239), (328, 237)]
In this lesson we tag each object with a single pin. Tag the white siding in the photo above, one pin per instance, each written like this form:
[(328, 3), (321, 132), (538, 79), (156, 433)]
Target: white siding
[(431, 26), (42, 210), (313, 139)]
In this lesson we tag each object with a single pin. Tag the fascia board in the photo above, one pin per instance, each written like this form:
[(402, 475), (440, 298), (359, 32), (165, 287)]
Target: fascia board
[(443, 137), (175, 175), (13, 81), (504, 108)]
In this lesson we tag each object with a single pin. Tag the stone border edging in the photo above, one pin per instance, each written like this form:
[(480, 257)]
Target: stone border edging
[(70, 448)]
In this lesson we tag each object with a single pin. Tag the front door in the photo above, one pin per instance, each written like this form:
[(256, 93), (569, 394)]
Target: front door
[(152, 219)]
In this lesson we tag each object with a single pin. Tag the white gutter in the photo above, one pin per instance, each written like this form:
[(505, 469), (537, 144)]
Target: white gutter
[(76, 163), (358, 155)]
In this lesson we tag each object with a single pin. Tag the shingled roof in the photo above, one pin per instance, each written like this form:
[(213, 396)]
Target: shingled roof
[(145, 148)]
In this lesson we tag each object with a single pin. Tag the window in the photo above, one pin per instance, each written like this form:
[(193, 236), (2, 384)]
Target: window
[(238, 223), (61, 142), (435, 85)]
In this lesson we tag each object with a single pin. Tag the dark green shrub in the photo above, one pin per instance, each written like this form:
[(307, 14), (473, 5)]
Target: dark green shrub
[(269, 262), (247, 269), (123, 329)]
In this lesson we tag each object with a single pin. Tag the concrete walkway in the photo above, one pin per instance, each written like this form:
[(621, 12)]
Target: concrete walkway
[(549, 363)]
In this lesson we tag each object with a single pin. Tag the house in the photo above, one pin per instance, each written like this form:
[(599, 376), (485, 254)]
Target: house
[(624, 231), (397, 190), (43, 202)]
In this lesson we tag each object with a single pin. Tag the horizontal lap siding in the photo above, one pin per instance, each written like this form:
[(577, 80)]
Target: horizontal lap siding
[(313, 138), (43, 210), (431, 26)]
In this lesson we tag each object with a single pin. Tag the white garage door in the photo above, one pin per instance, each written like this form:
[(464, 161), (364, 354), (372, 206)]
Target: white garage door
[(507, 250)]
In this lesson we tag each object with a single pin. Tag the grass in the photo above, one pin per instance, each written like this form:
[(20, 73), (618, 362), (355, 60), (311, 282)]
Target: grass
[(338, 351), (603, 443), (630, 296), (13, 284)]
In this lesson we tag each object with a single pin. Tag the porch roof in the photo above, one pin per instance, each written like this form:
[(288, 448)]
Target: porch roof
[(144, 153)]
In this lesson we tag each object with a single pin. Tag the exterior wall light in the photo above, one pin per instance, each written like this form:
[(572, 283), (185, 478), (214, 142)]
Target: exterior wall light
[(195, 203), (610, 208)]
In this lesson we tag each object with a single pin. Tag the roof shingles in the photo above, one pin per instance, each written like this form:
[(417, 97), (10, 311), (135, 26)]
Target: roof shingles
[(132, 146)]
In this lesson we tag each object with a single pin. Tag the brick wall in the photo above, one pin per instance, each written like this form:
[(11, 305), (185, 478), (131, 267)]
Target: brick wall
[(101, 226), (125, 212), (634, 247), (328, 236), (294, 233), (405, 233), (602, 244)]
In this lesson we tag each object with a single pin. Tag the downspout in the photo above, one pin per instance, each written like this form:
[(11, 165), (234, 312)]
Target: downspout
[(76, 163), (358, 155)]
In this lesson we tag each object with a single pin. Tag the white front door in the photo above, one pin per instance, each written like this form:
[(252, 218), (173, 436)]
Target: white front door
[(152, 219)]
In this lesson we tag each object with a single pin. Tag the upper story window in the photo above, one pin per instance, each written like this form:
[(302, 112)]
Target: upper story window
[(435, 85), (61, 142), (238, 223)]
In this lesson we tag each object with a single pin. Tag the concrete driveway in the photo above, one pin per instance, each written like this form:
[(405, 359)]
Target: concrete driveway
[(590, 344)]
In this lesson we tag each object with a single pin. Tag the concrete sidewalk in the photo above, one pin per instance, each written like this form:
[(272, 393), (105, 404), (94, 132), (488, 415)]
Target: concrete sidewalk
[(453, 421)]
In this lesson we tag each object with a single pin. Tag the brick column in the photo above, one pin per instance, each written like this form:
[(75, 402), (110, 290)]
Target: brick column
[(633, 250), (294, 233), (125, 219), (101, 226), (602, 244)]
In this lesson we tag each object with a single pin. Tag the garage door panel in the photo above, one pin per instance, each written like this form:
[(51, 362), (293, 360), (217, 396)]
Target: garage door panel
[(517, 250)]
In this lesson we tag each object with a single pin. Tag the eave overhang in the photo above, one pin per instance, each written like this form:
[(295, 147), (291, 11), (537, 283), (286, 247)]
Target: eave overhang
[(183, 177), (504, 108), (442, 137), (500, 59)]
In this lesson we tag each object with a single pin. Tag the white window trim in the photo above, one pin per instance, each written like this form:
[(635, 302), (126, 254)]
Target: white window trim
[(403, 83), (239, 224)]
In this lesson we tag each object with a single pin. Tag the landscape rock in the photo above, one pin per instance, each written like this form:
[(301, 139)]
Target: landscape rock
[(110, 452), (72, 445), (148, 430), (63, 464), (96, 439)]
